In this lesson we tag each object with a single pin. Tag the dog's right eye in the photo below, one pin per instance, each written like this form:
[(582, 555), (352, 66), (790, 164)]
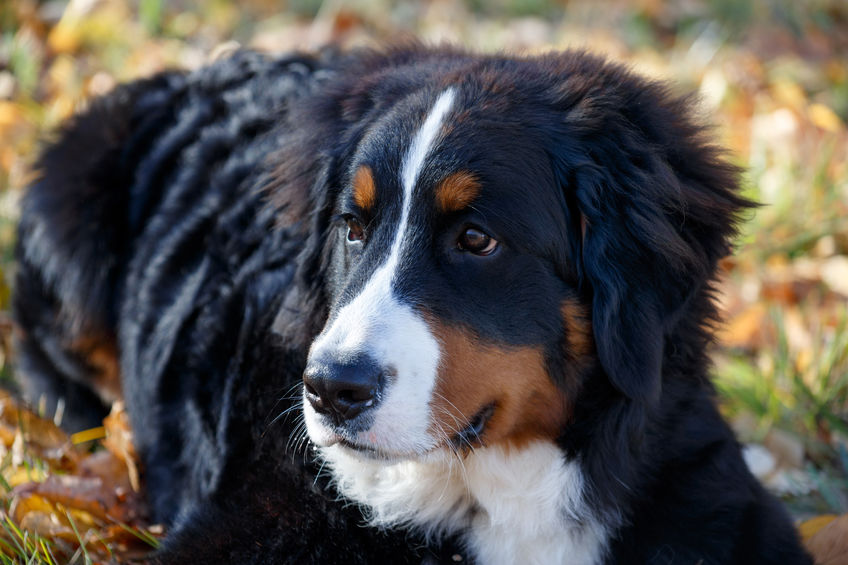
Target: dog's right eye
[(355, 231), (476, 241)]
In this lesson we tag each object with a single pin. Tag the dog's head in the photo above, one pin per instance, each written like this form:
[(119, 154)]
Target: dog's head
[(490, 232)]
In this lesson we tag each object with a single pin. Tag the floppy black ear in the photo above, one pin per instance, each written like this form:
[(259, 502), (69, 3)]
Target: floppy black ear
[(658, 204), (637, 294)]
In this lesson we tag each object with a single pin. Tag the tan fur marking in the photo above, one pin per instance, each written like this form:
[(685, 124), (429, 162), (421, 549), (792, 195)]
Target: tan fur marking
[(578, 330), (457, 191), (101, 354), (472, 375), (364, 189)]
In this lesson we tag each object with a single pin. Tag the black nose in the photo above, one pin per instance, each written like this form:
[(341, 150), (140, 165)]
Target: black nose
[(342, 390)]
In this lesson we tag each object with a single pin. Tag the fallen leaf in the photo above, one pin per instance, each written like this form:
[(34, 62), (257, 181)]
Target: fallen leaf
[(824, 117), (38, 435), (47, 525), (808, 528), (829, 545), (119, 440), (746, 328)]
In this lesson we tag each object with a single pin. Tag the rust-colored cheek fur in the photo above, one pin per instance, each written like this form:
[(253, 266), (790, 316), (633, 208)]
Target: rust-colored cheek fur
[(528, 405), (364, 188)]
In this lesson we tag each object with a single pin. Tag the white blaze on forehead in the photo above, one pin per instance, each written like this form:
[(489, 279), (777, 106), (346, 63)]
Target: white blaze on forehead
[(418, 151), (377, 323)]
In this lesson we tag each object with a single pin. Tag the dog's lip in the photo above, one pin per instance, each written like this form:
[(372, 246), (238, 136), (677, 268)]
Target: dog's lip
[(375, 453), (470, 434), (379, 453), (466, 437), (369, 451)]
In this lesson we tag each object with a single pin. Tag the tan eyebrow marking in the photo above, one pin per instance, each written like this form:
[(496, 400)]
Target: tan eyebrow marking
[(457, 191), (364, 189)]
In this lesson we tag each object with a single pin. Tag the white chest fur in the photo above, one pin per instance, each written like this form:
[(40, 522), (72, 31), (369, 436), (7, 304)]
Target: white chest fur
[(513, 505)]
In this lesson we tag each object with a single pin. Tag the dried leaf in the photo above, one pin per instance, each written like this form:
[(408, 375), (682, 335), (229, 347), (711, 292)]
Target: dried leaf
[(47, 525), (42, 437), (824, 117), (90, 495), (829, 545), (108, 467), (808, 528), (26, 502), (119, 435), (745, 329), (22, 475)]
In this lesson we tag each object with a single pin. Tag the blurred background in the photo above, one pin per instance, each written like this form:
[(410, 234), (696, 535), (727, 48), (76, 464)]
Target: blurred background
[(772, 76)]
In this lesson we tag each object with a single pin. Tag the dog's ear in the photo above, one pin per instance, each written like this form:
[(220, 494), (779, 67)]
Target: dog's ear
[(653, 205), (637, 295)]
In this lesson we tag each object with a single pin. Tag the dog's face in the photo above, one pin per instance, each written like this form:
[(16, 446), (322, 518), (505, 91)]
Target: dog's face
[(455, 319), (501, 240)]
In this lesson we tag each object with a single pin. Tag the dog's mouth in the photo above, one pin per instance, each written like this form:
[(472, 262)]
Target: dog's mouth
[(470, 435), (384, 456), (364, 450), (465, 438)]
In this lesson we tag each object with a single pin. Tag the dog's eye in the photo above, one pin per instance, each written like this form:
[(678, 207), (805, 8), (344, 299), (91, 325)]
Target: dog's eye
[(477, 241), (355, 231)]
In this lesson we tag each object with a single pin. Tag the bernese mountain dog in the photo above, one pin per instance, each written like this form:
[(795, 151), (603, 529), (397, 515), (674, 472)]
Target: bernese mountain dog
[(401, 305)]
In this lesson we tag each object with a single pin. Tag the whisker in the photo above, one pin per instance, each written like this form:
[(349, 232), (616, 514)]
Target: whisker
[(466, 418), (290, 394), (320, 470), (297, 406), (295, 438), (455, 460)]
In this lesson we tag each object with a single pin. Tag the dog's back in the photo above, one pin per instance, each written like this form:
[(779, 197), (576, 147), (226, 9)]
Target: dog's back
[(178, 154)]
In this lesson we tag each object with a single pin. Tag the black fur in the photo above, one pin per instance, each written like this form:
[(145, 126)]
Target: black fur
[(189, 220)]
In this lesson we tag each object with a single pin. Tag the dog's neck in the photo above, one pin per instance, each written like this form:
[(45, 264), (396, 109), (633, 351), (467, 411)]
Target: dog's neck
[(511, 505)]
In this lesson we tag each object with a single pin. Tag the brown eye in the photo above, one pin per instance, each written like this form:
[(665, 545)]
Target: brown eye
[(477, 242), (355, 231)]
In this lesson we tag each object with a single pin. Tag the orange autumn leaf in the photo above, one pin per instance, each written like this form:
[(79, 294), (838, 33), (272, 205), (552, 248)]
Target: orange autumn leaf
[(746, 328)]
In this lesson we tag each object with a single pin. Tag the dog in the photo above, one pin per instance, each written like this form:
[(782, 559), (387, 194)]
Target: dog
[(400, 305)]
